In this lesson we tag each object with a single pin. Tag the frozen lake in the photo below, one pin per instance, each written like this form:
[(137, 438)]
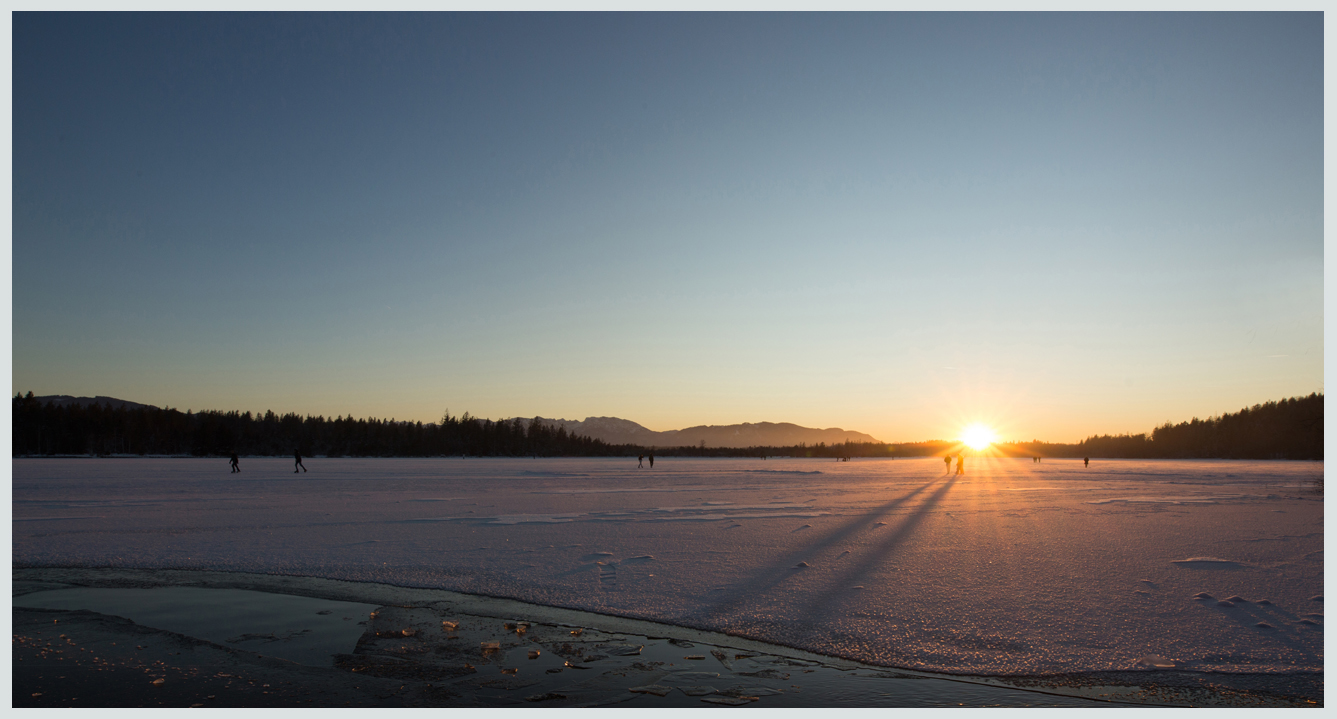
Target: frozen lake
[(1013, 568)]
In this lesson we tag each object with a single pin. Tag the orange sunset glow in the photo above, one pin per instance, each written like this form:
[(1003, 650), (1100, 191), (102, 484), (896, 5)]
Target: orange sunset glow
[(978, 436)]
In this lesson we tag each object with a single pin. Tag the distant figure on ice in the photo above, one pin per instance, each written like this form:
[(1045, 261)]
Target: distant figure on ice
[(960, 464), (652, 460), (233, 462), (1087, 461), (948, 461), (640, 459), (298, 456)]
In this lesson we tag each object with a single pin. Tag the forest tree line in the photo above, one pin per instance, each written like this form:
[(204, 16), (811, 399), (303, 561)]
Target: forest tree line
[(1287, 429), (95, 429)]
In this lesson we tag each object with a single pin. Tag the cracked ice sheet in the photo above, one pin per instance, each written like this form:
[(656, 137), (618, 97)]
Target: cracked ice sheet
[(1013, 568)]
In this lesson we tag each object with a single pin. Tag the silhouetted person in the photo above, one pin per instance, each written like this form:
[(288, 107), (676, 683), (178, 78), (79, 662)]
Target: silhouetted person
[(233, 462), (298, 456), (960, 464), (640, 459), (652, 460), (1086, 461), (948, 461)]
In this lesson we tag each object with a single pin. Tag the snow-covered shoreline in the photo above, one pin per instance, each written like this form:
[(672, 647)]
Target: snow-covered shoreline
[(1014, 568)]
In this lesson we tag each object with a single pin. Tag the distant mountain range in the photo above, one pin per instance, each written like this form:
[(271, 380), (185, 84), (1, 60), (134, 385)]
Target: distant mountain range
[(760, 434), (618, 431)]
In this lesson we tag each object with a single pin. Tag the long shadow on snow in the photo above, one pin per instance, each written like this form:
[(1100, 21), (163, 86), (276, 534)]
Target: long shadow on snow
[(839, 586), (1285, 625), (784, 567)]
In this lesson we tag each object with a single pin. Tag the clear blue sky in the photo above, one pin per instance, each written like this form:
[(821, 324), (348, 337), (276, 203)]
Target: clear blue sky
[(1058, 224)]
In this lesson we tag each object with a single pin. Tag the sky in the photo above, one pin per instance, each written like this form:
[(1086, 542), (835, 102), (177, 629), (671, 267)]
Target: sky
[(1055, 224)]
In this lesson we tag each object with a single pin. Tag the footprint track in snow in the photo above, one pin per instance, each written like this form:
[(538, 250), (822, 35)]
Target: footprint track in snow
[(607, 576)]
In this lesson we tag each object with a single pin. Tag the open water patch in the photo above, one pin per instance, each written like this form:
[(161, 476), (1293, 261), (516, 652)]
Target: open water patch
[(300, 629)]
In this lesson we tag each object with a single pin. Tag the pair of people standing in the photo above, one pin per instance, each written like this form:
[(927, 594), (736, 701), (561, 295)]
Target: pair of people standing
[(960, 463), (297, 466), (641, 457)]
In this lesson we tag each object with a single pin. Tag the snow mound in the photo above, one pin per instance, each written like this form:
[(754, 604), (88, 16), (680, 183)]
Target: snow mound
[(1207, 561)]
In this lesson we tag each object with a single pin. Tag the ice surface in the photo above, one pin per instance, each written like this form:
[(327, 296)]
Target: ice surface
[(1013, 568)]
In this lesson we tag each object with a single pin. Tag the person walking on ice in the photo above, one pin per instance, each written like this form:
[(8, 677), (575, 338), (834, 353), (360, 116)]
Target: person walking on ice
[(640, 460), (298, 456), (652, 460), (960, 464), (233, 462), (948, 461), (1087, 461)]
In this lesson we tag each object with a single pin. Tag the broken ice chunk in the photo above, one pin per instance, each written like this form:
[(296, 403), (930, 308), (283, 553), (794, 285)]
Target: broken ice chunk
[(1156, 662), (728, 701), (656, 689), (699, 690), (622, 650)]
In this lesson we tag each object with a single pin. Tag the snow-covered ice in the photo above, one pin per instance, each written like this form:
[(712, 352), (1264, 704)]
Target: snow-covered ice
[(1013, 568)]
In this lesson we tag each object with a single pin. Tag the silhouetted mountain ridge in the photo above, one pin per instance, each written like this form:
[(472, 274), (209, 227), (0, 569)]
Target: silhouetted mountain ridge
[(615, 430)]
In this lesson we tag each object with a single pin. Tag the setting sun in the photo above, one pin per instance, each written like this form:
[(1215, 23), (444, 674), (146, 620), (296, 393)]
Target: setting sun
[(977, 436)]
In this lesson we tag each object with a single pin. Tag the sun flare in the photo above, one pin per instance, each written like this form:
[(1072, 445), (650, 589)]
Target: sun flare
[(977, 436)]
